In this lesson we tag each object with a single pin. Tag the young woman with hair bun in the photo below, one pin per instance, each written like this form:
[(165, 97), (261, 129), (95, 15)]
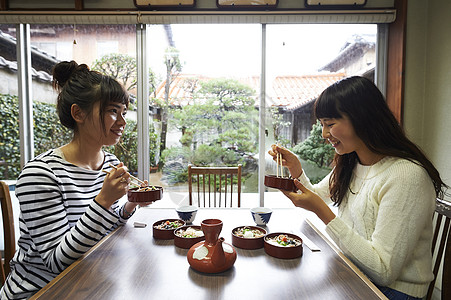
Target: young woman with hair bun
[(67, 204)]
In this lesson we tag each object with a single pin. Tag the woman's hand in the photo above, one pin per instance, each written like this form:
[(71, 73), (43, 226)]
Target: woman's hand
[(310, 201), (114, 186), (289, 160)]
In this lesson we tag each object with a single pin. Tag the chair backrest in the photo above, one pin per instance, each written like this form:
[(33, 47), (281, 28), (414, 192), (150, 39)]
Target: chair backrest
[(8, 229), (214, 186), (441, 248)]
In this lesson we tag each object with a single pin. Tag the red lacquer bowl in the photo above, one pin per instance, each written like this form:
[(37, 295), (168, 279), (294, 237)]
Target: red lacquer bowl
[(187, 242), (145, 196), (163, 233), (280, 251), (281, 183), (249, 243)]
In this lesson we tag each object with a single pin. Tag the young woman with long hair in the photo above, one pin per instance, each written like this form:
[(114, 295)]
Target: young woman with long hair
[(383, 184)]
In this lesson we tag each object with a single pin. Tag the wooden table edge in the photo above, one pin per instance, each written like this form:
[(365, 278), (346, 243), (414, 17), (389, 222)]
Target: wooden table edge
[(42, 291), (348, 262)]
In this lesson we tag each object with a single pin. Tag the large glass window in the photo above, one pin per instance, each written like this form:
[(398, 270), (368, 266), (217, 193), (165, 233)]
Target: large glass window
[(204, 92), (207, 95)]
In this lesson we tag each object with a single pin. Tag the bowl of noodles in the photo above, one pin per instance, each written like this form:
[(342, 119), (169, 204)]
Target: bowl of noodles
[(283, 245), (164, 229), (248, 237), (187, 236), (145, 194)]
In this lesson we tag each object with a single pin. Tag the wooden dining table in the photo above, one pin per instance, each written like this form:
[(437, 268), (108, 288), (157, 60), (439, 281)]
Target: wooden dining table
[(130, 263)]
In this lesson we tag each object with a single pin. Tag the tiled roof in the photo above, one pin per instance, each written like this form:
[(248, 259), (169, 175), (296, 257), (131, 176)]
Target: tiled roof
[(295, 91), (290, 92), (12, 66)]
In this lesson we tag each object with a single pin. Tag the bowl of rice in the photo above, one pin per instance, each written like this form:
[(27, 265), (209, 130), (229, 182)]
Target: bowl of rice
[(187, 236), (248, 237)]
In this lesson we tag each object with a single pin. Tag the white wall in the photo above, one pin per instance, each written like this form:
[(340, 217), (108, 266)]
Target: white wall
[(428, 80), (428, 83)]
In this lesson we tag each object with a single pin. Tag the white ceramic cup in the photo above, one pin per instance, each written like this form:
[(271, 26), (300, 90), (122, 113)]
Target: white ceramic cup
[(261, 215), (187, 213)]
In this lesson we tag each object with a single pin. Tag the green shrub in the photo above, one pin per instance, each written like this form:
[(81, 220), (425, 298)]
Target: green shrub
[(9, 136), (315, 149), (48, 132), (177, 159)]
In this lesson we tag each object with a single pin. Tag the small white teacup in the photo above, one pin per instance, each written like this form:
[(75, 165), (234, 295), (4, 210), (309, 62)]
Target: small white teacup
[(187, 213), (261, 215)]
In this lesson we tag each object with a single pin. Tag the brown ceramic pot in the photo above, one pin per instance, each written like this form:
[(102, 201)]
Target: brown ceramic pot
[(145, 196), (282, 251), (281, 183), (212, 255)]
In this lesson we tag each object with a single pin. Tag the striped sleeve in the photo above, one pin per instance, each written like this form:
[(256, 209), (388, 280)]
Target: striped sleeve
[(47, 215)]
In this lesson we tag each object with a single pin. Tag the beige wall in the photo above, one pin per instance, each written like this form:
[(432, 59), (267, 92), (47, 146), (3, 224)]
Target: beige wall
[(428, 80)]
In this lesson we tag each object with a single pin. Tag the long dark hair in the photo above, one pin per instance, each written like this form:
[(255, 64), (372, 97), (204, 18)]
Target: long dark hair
[(362, 102), (76, 84)]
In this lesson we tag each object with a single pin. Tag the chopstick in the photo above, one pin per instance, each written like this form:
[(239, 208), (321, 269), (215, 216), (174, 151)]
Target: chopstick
[(131, 176), (104, 171), (311, 245), (279, 165)]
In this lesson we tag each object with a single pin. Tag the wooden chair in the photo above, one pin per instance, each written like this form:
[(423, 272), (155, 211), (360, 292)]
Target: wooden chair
[(8, 230), (441, 248), (214, 186)]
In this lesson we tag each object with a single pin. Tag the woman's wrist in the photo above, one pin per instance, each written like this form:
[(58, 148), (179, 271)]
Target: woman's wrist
[(326, 214), (296, 173), (128, 211)]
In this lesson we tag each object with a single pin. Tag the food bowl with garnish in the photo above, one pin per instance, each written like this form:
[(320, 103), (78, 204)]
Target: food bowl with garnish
[(283, 245), (186, 236), (280, 183), (164, 229), (145, 194), (248, 237)]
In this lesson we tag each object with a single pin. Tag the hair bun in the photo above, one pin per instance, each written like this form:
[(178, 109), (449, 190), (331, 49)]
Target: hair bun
[(63, 71)]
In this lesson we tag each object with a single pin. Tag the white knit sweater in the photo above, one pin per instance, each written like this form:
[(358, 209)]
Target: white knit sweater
[(386, 228)]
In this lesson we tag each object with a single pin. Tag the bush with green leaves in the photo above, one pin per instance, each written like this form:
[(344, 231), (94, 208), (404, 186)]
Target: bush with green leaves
[(315, 149), (48, 132), (219, 128), (316, 154), (177, 159)]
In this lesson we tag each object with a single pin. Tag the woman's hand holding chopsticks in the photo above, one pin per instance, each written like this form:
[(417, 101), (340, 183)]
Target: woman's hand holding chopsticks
[(284, 157), (114, 186)]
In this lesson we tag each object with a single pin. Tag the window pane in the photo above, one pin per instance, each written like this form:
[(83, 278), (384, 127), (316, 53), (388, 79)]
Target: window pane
[(109, 49), (9, 106), (302, 60), (9, 119), (206, 101)]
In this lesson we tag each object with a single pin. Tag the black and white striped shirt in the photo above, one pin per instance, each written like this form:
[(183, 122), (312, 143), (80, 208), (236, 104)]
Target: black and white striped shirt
[(59, 220)]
